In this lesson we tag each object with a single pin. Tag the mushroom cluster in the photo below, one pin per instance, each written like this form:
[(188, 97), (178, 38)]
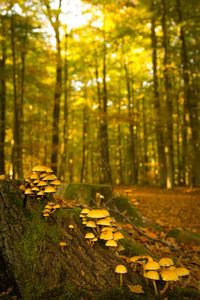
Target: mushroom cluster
[(164, 269), (103, 226), (50, 208), (40, 183)]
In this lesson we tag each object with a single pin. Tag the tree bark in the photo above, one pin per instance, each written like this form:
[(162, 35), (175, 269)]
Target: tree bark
[(191, 122), (168, 104), (103, 126), (2, 96), (17, 170), (157, 108)]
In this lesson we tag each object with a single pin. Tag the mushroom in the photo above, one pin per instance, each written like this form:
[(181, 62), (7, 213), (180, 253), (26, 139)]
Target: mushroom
[(92, 225), (117, 236), (112, 244), (62, 245), (120, 269), (166, 262), (168, 276), (89, 236), (71, 227), (98, 214), (153, 275), (181, 272)]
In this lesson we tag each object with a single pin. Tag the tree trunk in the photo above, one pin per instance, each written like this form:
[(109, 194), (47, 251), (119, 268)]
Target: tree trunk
[(85, 144), (56, 108), (103, 127), (17, 167), (65, 123), (191, 123), (2, 97), (168, 105), (157, 109), (131, 146), (30, 245)]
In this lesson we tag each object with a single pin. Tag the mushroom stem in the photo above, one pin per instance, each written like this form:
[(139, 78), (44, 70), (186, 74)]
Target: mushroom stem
[(94, 230), (165, 288), (155, 288), (121, 282), (62, 249)]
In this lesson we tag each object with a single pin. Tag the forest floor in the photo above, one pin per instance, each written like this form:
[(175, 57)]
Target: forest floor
[(178, 208)]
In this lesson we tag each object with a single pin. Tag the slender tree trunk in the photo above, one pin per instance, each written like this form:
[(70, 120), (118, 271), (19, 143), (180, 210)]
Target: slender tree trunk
[(119, 141), (85, 144), (168, 105), (157, 109), (2, 98), (16, 124), (191, 123), (65, 123), (131, 146), (56, 108), (103, 127), (145, 143)]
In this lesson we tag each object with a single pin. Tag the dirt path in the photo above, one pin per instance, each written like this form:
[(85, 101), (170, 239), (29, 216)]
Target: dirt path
[(177, 208)]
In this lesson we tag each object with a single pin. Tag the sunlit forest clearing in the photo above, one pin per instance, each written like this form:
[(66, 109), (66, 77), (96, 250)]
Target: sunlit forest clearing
[(99, 110)]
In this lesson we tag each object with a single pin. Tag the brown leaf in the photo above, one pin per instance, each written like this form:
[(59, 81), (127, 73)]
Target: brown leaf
[(136, 289)]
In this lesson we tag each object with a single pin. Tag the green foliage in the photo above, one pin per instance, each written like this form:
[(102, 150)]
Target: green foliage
[(184, 236)]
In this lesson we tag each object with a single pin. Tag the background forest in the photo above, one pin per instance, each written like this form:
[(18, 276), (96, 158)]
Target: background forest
[(111, 99)]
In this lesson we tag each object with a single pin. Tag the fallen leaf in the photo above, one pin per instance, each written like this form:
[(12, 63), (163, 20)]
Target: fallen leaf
[(136, 289)]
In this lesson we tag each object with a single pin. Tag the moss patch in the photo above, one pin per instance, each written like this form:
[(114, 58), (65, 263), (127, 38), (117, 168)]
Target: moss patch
[(133, 248), (123, 205), (184, 236), (86, 193)]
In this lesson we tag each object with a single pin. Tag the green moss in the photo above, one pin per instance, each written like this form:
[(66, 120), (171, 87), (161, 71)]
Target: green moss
[(86, 193), (123, 294), (184, 236), (133, 248), (123, 204), (14, 199), (184, 293)]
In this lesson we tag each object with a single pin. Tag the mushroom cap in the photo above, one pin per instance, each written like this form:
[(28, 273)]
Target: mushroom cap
[(49, 170), (22, 187), (39, 168), (82, 216), (40, 193), (133, 259), (182, 271), (56, 206), (118, 235), (36, 181), (121, 269), (166, 262), (103, 222), (33, 176), (89, 235), (49, 189), (35, 188), (47, 206), (62, 244), (49, 177), (51, 203), (152, 275), (85, 211), (42, 183), (71, 226), (45, 215), (120, 248), (152, 266), (107, 229), (111, 243), (43, 175), (98, 213), (55, 182), (95, 240), (84, 222), (28, 192), (106, 235), (91, 224), (169, 275), (110, 219)]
